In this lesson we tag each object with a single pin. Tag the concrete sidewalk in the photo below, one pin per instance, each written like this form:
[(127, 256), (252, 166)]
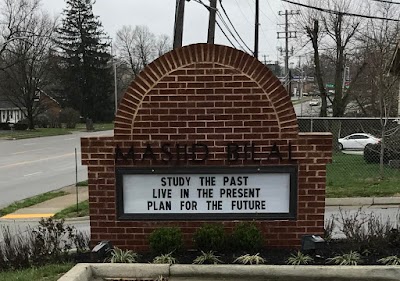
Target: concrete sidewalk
[(51, 207)]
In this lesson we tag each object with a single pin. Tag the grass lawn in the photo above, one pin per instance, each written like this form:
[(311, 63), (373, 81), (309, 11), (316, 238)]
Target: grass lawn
[(30, 202), (45, 273), (70, 212), (46, 132), (350, 176)]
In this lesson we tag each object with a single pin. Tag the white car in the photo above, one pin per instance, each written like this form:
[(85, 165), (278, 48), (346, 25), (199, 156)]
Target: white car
[(357, 141), (314, 102)]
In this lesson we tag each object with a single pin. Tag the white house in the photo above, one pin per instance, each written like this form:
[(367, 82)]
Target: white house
[(9, 113)]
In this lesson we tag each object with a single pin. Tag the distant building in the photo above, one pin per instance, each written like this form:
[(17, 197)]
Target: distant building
[(10, 113)]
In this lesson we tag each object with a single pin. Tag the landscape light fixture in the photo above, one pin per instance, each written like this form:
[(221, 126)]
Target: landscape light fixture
[(101, 250), (311, 243)]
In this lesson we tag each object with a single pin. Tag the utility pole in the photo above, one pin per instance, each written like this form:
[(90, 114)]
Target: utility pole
[(178, 28), (257, 24), (114, 65), (265, 59), (211, 21), (286, 44), (287, 34)]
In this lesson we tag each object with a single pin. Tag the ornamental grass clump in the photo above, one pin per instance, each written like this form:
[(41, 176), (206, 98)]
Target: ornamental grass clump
[(165, 259), (351, 258), (299, 259), (390, 260), (207, 258), (250, 259), (122, 256)]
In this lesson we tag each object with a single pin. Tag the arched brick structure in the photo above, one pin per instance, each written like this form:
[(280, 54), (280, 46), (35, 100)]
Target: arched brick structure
[(214, 95), (211, 73)]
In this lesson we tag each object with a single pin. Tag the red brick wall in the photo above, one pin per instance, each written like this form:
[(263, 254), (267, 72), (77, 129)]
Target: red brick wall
[(214, 95)]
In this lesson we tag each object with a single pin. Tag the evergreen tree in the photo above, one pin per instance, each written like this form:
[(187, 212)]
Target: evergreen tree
[(85, 62)]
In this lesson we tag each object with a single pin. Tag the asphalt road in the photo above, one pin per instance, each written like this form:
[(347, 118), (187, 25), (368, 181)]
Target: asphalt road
[(304, 108), (33, 166)]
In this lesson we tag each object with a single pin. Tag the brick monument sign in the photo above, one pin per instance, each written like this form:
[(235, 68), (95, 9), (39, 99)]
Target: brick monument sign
[(204, 134)]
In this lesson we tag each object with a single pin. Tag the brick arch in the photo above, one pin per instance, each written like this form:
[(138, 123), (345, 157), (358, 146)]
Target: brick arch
[(159, 72)]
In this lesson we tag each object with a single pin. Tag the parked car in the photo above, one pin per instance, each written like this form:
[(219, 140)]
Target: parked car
[(314, 102), (357, 141)]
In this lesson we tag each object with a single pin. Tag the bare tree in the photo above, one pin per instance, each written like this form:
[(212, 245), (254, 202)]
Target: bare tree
[(137, 46), (25, 61), (331, 34), (14, 16), (163, 45), (378, 40)]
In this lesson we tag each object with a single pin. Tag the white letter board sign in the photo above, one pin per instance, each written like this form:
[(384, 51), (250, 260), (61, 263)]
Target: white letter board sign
[(207, 193)]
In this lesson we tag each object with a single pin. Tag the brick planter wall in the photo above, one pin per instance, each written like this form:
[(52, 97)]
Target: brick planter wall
[(214, 95)]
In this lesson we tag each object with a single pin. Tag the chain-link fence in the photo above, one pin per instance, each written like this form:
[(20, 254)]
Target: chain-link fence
[(366, 156)]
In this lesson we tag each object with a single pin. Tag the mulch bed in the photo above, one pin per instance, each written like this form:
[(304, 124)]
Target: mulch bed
[(275, 256)]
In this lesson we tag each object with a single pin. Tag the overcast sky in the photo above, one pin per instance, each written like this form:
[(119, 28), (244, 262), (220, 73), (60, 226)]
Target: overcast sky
[(159, 15)]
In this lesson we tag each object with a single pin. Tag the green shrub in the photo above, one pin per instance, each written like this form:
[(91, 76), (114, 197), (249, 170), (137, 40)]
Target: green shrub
[(42, 121), (166, 240), (247, 237), (210, 237), (70, 117), (5, 126), (51, 240), (20, 126)]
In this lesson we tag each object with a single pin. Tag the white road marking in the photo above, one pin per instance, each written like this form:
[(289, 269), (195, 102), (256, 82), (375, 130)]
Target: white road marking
[(32, 143), (70, 139), (21, 152), (28, 175), (35, 161)]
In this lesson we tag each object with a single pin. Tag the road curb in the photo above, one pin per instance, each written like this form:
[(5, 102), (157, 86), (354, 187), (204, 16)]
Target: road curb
[(75, 220), (85, 272), (362, 201)]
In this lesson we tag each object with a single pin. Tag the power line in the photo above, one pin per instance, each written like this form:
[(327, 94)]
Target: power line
[(230, 31), (339, 13), (226, 14), (246, 18), (224, 23), (389, 2), (269, 5), (226, 36)]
